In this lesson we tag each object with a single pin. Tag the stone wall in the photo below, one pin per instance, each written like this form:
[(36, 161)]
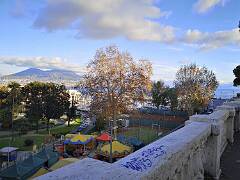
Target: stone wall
[(185, 154)]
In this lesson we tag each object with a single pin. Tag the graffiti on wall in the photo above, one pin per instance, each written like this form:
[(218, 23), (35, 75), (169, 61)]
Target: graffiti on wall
[(145, 160)]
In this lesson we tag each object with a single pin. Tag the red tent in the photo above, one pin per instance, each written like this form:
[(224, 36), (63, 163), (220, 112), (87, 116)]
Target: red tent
[(104, 137)]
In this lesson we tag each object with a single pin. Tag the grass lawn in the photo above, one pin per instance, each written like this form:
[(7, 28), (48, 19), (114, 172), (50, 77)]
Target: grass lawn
[(64, 129), (146, 134), (37, 138), (7, 133), (19, 141)]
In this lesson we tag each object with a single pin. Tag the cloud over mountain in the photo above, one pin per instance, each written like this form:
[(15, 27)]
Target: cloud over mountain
[(41, 62)]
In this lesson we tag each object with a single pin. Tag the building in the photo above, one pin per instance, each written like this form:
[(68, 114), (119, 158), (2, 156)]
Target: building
[(79, 99)]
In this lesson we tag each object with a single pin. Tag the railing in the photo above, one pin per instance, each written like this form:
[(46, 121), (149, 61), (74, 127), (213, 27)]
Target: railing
[(185, 154)]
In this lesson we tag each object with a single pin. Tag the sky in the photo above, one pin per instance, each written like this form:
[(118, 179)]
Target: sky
[(65, 34)]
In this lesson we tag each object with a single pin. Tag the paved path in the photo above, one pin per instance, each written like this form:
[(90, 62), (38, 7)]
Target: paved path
[(230, 160)]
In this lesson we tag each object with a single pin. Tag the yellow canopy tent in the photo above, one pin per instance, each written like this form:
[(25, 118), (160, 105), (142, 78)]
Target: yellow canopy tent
[(82, 138), (81, 143), (69, 136), (79, 139), (118, 149)]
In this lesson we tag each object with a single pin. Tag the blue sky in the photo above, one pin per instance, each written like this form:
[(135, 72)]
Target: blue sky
[(66, 33)]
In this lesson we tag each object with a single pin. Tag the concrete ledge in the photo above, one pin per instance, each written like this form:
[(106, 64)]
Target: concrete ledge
[(175, 148), (219, 115), (182, 155), (231, 109)]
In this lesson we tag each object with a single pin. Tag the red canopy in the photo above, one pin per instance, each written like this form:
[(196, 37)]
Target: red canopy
[(104, 137)]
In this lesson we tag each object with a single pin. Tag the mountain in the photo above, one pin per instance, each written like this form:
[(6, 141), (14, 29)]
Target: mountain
[(30, 72), (48, 75)]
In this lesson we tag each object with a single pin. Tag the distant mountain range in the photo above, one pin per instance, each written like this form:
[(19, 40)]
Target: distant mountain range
[(48, 75)]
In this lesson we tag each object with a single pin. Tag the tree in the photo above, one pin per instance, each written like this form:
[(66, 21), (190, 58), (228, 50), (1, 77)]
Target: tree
[(6, 107), (171, 98), (164, 95), (13, 100), (4, 93), (14, 96), (236, 72), (5, 110), (158, 96), (71, 110), (100, 122), (56, 101), (34, 99), (45, 100), (116, 82), (195, 87)]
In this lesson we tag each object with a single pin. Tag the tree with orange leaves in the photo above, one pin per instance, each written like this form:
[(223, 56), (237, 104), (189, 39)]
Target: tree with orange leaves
[(116, 82), (195, 87)]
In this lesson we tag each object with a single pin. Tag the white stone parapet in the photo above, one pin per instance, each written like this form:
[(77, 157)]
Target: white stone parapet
[(185, 154)]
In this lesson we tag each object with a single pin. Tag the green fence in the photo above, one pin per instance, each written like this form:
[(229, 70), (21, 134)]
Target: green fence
[(150, 110), (150, 123)]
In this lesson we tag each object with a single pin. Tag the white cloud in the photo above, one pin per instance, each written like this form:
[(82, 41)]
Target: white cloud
[(135, 19), (185, 61), (213, 40), (41, 62), (164, 72), (203, 6), (176, 49)]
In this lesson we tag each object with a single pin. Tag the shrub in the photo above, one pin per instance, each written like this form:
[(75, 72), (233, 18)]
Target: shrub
[(28, 142)]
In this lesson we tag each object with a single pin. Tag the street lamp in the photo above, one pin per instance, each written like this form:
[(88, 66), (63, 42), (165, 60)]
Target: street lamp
[(12, 117), (111, 132)]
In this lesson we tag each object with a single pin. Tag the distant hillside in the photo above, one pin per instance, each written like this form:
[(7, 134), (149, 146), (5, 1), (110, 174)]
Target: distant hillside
[(38, 74), (226, 91), (227, 86)]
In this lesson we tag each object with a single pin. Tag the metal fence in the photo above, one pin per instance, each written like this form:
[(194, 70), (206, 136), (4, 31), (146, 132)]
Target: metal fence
[(151, 122), (150, 110)]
